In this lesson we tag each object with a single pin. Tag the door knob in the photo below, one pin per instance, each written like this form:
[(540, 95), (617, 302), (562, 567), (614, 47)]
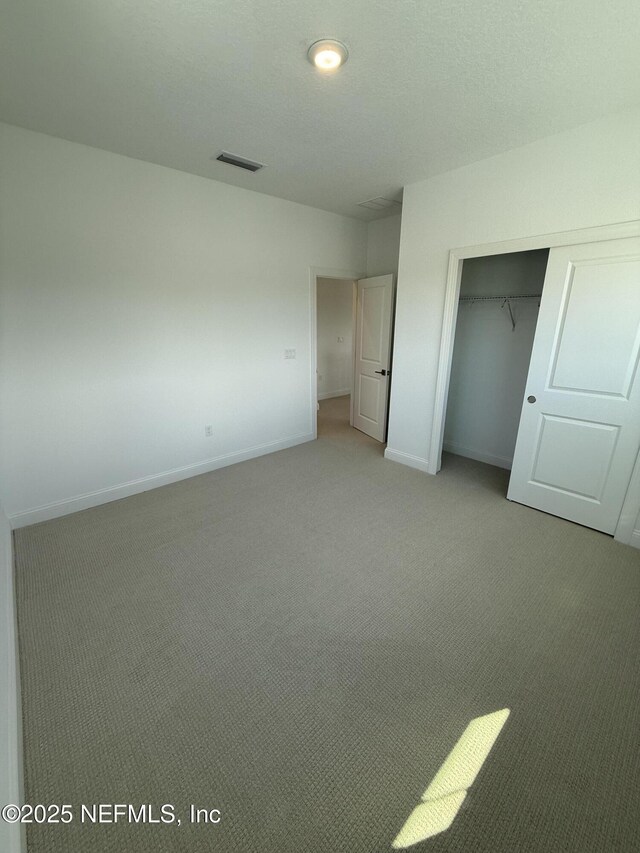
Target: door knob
[(531, 399), (381, 372)]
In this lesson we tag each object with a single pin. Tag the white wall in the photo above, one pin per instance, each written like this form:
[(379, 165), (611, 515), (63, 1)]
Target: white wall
[(491, 358), (10, 729), (335, 321), (383, 245), (138, 304), (586, 177)]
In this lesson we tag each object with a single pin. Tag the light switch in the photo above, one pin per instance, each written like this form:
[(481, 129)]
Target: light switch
[(289, 353)]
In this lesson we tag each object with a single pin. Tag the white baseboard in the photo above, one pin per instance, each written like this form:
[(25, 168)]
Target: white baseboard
[(478, 455), (407, 459), (327, 395), (153, 481), (12, 836), (635, 539)]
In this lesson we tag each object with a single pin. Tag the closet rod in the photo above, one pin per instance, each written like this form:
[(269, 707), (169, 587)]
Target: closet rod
[(496, 298), (506, 300)]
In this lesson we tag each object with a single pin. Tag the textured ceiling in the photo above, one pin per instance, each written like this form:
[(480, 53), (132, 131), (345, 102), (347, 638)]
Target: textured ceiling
[(428, 85)]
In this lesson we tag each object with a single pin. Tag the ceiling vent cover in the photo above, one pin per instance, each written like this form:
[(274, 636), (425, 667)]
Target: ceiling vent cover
[(380, 203), (240, 162)]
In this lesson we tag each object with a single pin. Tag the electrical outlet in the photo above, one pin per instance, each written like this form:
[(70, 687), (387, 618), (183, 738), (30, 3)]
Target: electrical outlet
[(208, 430), (289, 353)]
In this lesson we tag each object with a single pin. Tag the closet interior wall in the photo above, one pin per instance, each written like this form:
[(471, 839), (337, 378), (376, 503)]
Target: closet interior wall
[(493, 344)]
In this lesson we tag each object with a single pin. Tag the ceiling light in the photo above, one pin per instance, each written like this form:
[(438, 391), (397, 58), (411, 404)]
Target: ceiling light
[(327, 54)]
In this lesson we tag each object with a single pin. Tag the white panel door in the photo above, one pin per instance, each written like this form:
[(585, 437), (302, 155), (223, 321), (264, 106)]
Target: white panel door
[(580, 425), (374, 316)]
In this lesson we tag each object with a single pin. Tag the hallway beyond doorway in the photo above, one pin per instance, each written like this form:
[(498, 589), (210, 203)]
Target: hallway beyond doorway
[(333, 424)]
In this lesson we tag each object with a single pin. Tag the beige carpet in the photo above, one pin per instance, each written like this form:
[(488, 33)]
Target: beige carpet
[(299, 641)]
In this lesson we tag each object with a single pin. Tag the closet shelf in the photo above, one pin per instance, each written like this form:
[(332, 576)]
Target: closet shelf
[(505, 300)]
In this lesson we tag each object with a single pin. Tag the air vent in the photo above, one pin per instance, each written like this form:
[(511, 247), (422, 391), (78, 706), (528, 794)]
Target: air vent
[(240, 162), (380, 203)]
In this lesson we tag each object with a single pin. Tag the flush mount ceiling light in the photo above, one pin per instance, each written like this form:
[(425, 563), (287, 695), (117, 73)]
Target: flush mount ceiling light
[(327, 54)]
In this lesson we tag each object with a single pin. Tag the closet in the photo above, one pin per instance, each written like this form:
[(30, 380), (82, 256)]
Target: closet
[(545, 377), (496, 323)]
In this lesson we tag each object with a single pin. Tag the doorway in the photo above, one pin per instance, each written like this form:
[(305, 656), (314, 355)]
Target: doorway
[(352, 322), (335, 335), (495, 326)]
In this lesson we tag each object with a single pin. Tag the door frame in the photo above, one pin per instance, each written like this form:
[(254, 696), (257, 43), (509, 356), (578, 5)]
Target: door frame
[(457, 256), (314, 274)]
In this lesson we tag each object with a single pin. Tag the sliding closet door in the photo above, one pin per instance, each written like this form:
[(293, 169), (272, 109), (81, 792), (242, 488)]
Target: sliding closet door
[(579, 430)]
